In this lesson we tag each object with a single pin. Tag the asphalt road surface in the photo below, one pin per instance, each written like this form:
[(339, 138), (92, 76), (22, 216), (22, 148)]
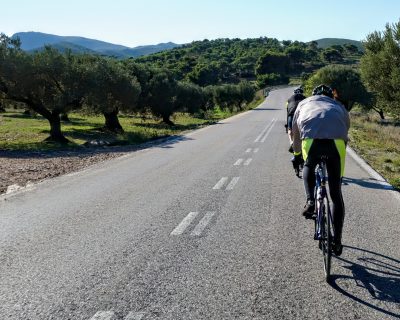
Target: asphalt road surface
[(205, 226)]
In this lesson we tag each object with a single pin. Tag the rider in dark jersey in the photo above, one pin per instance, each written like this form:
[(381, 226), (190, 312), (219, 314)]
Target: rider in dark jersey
[(291, 106)]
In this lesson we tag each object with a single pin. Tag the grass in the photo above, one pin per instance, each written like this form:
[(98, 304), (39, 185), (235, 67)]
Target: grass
[(378, 143), (24, 132)]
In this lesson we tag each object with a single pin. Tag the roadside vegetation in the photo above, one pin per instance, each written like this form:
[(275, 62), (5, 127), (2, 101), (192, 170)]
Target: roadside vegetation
[(29, 132), (56, 99), (377, 142)]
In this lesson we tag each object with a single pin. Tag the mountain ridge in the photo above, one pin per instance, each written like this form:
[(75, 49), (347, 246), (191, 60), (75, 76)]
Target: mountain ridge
[(36, 41)]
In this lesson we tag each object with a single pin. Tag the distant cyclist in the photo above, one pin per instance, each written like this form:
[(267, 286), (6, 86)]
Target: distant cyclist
[(291, 106), (320, 128)]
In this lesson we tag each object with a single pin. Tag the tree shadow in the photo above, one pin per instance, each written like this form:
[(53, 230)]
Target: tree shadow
[(22, 116), (378, 274), (369, 183), (73, 150), (176, 127)]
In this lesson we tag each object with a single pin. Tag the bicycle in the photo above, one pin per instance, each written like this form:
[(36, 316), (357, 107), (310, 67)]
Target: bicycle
[(323, 220)]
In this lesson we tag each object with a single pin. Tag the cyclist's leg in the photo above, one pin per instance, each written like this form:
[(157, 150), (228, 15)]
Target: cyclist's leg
[(334, 168), (311, 158), (289, 129)]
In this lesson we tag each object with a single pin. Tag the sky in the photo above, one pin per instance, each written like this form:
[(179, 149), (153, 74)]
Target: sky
[(133, 22)]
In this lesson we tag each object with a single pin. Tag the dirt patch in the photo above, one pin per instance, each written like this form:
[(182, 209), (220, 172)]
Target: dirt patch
[(19, 168)]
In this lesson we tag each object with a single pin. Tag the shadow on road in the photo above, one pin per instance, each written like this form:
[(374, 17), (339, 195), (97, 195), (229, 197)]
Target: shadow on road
[(369, 183), (377, 274)]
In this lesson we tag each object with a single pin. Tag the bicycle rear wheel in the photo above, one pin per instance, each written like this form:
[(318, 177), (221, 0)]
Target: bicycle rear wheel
[(327, 239)]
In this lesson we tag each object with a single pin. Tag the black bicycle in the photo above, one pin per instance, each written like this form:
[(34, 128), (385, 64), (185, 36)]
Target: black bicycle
[(323, 221)]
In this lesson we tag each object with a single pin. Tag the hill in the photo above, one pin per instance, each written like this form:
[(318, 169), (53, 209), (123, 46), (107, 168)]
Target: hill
[(32, 41), (328, 42), (213, 62)]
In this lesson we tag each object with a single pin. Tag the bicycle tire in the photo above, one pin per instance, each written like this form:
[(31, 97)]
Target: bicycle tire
[(327, 239)]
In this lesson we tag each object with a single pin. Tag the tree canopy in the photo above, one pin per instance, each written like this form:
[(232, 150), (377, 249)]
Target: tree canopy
[(380, 67)]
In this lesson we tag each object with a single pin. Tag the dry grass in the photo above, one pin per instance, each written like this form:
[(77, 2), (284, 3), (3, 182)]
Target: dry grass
[(378, 142)]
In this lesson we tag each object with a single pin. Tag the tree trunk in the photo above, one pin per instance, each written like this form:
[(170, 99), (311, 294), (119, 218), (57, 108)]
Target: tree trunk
[(112, 122), (64, 117), (55, 129), (166, 120), (53, 118), (380, 112)]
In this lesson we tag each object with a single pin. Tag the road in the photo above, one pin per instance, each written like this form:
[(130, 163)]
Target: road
[(204, 226)]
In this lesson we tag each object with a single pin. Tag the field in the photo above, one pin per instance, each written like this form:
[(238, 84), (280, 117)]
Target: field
[(24, 132)]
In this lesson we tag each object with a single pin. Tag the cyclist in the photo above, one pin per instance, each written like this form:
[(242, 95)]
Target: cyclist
[(320, 128), (291, 106)]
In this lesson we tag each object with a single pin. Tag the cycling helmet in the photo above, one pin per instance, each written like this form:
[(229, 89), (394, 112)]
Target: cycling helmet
[(298, 91), (323, 89)]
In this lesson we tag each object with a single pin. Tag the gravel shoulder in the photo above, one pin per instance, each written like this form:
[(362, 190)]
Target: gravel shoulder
[(21, 168)]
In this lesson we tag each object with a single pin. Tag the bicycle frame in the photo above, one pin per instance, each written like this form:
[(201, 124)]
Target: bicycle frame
[(323, 221), (320, 194)]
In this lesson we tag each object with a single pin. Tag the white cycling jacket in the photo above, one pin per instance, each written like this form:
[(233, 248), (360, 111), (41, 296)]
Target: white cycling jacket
[(319, 117)]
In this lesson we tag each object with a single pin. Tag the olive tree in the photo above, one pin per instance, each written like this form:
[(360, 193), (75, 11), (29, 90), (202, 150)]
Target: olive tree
[(380, 68), (48, 82), (346, 80), (113, 89)]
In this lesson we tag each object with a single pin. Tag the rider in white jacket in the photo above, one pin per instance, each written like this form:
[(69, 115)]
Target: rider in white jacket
[(320, 128)]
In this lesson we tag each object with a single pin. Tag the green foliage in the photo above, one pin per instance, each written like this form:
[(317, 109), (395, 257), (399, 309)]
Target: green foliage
[(380, 67), (162, 93), (345, 80), (332, 55), (271, 79), (190, 98), (232, 60), (273, 63), (205, 75), (112, 87)]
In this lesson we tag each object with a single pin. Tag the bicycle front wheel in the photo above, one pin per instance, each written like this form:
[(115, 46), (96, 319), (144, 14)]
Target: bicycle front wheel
[(327, 239)]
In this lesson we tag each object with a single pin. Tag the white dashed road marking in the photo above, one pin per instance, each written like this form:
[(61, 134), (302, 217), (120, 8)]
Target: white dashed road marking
[(104, 315), (198, 229), (265, 129), (269, 130), (220, 183), (184, 224), (203, 224), (247, 162), (135, 316), (256, 150), (110, 315), (232, 184), (238, 162), (248, 150)]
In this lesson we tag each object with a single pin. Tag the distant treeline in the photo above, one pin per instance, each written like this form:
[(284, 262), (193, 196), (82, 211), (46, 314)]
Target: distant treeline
[(194, 78), (267, 60)]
